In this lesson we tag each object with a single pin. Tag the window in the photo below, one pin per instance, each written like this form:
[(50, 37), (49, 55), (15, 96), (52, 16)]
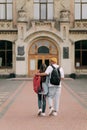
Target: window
[(43, 9), (80, 9), (5, 9), (81, 53), (43, 49), (5, 54)]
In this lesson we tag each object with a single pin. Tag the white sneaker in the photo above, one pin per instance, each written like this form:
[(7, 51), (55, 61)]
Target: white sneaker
[(39, 111), (43, 114), (51, 111), (54, 113)]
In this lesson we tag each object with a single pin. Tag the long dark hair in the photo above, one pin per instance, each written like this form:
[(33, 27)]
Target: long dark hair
[(43, 68)]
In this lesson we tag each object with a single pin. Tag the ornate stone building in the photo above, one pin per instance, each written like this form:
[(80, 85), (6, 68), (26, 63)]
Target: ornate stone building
[(32, 31)]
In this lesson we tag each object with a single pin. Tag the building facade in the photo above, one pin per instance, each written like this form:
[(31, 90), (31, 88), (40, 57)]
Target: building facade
[(33, 31)]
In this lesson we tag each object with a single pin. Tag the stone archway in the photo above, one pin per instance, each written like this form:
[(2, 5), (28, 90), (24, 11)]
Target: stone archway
[(40, 52)]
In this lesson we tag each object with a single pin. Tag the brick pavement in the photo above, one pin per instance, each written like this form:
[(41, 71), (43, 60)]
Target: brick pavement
[(78, 88), (7, 88), (22, 113)]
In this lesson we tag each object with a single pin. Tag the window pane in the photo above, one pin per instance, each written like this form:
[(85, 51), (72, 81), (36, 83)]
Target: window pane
[(50, 11), (39, 63), (43, 11), (2, 11), (2, 45), (84, 0), (9, 1), (9, 11), (77, 56), (9, 58), (2, 57), (77, 45), (47, 62), (43, 49), (84, 11), (42, 1), (2, 1), (84, 44), (84, 58), (36, 11), (50, 0), (36, 0), (77, 0), (9, 46), (77, 11)]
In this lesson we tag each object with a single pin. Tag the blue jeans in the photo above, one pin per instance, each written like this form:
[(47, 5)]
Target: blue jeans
[(45, 88), (42, 102)]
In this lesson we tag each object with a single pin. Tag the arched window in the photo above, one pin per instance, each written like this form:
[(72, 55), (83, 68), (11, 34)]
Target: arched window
[(5, 54), (43, 49), (81, 53)]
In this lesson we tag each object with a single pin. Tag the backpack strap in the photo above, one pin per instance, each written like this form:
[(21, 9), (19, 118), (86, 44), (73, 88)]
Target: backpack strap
[(55, 67)]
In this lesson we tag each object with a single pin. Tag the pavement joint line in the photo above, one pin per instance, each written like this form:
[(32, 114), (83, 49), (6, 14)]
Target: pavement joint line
[(5, 106), (76, 96), (20, 79)]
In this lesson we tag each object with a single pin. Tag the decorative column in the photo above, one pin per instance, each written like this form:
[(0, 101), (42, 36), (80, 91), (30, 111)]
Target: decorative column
[(64, 23), (22, 23), (66, 46), (20, 44)]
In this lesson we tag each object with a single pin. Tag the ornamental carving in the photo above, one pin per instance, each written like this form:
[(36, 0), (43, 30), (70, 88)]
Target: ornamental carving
[(47, 24), (43, 43), (21, 15), (65, 15), (6, 25), (81, 24)]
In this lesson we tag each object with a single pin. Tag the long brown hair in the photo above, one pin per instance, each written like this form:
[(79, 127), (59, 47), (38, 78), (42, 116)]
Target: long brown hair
[(43, 68)]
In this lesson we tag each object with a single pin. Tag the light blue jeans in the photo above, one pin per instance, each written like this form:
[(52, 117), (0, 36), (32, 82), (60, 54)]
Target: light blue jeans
[(45, 86), (54, 97)]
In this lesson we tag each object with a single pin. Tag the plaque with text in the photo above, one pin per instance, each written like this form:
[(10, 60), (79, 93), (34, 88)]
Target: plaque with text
[(65, 52), (20, 50)]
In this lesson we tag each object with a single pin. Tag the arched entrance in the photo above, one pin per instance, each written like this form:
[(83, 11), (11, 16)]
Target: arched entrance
[(40, 52)]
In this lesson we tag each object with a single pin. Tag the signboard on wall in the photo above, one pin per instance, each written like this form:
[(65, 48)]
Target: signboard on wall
[(65, 52)]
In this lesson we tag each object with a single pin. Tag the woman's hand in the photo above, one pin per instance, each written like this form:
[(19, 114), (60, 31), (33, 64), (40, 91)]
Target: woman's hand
[(38, 74)]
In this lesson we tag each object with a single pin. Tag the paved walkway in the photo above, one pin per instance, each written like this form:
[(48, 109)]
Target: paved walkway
[(19, 112)]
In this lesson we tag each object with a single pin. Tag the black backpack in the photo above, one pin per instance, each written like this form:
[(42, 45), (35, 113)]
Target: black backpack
[(55, 76)]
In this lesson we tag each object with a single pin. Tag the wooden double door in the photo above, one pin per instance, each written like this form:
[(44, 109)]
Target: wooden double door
[(35, 61)]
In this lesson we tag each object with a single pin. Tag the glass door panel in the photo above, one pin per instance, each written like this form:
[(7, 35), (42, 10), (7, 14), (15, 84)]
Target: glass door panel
[(39, 63), (47, 62)]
